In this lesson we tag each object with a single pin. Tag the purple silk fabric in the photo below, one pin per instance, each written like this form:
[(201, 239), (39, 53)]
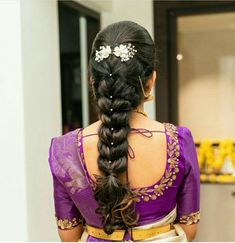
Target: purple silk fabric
[(73, 194)]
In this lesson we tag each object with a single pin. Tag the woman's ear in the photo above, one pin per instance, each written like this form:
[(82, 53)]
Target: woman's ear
[(150, 83)]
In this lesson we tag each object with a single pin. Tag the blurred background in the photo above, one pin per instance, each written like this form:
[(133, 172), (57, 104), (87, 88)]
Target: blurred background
[(44, 92)]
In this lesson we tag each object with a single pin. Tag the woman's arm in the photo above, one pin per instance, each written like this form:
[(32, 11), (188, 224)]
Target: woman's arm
[(68, 217), (73, 235), (188, 197), (190, 231)]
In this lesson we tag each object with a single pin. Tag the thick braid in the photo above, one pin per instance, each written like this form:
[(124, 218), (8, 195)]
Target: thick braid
[(114, 112), (117, 92)]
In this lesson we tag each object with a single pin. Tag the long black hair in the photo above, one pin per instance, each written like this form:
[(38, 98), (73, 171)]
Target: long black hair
[(117, 92)]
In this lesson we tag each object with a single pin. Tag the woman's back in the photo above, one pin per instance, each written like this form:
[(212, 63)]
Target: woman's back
[(125, 171), (164, 157), (149, 161)]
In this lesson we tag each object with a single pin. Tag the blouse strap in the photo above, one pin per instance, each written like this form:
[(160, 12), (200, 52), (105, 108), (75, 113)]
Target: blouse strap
[(142, 131), (88, 135)]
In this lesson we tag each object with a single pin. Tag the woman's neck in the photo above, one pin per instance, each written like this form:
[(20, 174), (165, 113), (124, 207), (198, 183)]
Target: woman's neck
[(137, 117)]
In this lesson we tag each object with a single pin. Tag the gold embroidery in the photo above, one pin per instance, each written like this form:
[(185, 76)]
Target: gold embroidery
[(65, 167), (192, 218), (91, 182), (170, 174), (67, 224), (146, 193)]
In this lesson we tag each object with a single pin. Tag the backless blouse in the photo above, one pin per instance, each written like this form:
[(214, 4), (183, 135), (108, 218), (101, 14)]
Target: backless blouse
[(178, 187)]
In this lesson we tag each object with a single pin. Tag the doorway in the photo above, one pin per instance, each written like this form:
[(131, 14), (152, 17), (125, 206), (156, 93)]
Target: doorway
[(168, 16), (196, 89), (78, 27)]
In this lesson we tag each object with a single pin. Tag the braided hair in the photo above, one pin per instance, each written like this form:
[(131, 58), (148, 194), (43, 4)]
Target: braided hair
[(117, 92)]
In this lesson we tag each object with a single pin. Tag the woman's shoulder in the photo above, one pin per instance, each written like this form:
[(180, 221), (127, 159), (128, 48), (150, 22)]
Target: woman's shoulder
[(169, 127), (65, 162), (91, 128), (65, 138), (183, 134), (184, 131), (63, 146), (180, 128), (187, 145), (157, 125), (63, 154), (150, 125)]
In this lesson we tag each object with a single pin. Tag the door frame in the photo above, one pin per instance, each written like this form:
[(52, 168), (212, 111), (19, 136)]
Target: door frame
[(82, 10), (90, 15), (165, 35)]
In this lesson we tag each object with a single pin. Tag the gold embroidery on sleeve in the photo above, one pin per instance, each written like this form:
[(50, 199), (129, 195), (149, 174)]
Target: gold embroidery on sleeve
[(91, 182), (65, 164), (67, 224), (192, 218)]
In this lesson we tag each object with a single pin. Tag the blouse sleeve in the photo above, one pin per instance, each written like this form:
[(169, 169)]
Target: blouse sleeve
[(188, 197), (66, 213)]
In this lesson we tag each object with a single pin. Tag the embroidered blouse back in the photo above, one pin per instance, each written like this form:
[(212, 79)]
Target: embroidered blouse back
[(152, 177), (170, 176)]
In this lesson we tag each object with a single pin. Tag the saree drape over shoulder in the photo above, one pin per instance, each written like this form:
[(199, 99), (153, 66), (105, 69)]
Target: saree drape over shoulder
[(173, 199)]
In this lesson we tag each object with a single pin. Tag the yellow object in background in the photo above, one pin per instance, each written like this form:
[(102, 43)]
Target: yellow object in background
[(213, 178), (217, 163), (226, 150), (206, 156)]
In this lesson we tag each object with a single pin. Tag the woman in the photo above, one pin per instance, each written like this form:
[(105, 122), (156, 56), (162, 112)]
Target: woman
[(125, 177)]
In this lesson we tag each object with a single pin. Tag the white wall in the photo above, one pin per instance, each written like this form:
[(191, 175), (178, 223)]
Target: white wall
[(135, 10), (13, 207), (98, 6), (42, 105), (31, 103), (31, 115)]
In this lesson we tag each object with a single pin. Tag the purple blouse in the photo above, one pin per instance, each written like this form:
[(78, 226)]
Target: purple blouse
[(73, 187)]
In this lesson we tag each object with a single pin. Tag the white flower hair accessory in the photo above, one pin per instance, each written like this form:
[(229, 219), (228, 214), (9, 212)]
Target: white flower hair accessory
[(124, 51), (103, 53)]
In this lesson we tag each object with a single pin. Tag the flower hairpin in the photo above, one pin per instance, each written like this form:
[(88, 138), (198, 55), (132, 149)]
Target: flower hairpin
[(124, 51), (103, 53)]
